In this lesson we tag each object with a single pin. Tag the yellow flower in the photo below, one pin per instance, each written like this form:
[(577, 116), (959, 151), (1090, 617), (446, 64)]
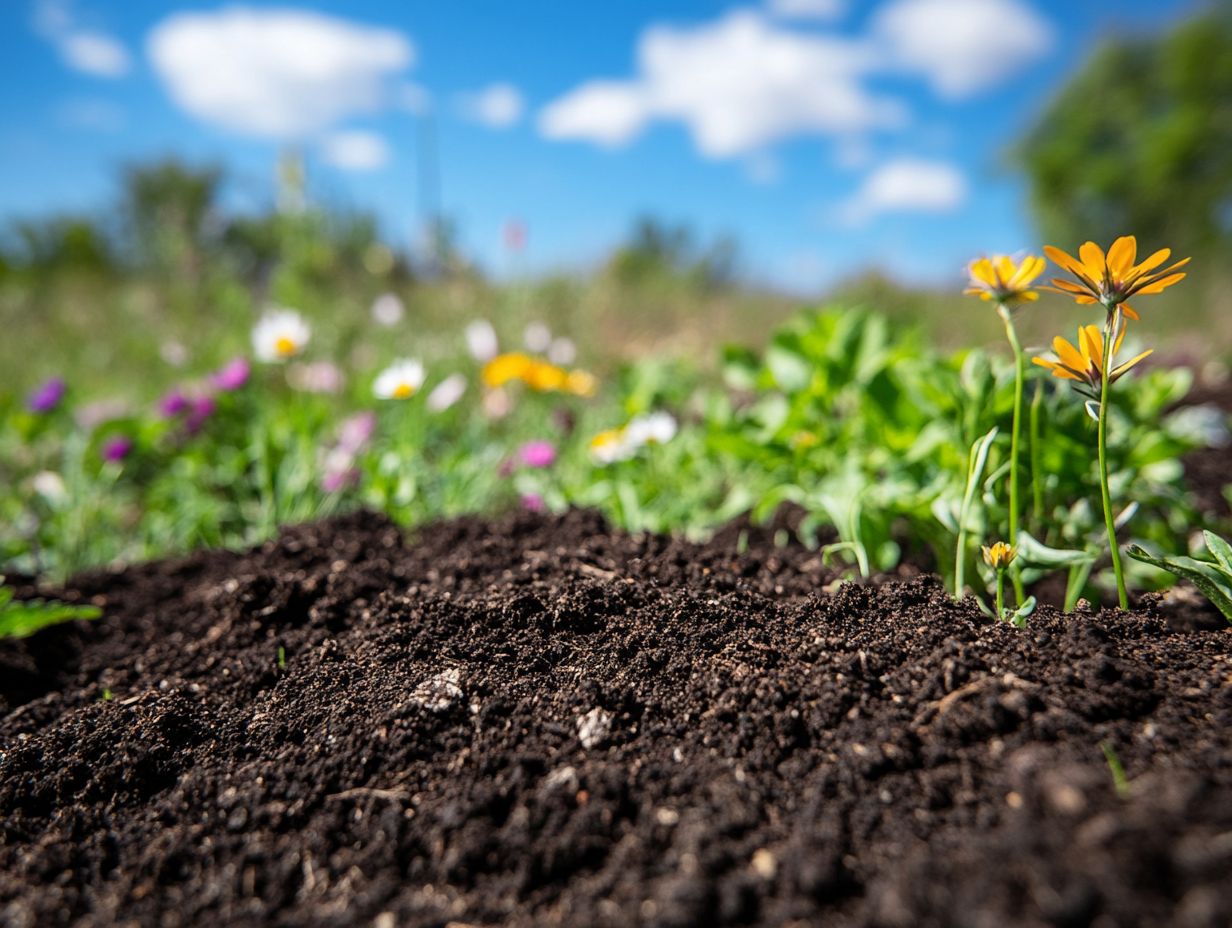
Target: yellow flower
[(506, 367), (998, 278), (1113, 278), (999, 556), (1085, 363), (544, 377), (581, 383)]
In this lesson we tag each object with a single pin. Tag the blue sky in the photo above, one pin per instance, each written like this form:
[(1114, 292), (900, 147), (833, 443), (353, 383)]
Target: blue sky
[(827, 135)]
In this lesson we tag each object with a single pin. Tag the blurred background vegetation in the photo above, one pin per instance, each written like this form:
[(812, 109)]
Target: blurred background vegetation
[(167, 275)]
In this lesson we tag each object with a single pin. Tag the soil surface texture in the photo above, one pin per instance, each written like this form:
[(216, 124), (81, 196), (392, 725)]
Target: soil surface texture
[(540, 721)]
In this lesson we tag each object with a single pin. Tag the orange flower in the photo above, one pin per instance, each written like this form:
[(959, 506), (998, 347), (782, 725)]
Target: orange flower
[(1113, 278), (999, 278), (1085, 363)]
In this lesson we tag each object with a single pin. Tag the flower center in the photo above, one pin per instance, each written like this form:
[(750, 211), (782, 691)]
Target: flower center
[(403, 390), (284, 346)]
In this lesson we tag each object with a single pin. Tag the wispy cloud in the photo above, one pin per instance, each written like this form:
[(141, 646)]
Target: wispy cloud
[(83, 48), (278, 73), (497, 106), (906, 185), (355, 150), (738, 84), (962, 46), (748, 79), (807, 9)]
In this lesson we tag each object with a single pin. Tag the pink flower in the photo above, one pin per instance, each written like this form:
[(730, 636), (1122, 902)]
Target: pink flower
[(335, 481), (317, 377), (355, 431), (173, 404), (116, 448), (533, 502), (233, 375), (202, 408), (48, 395), (537, 454)]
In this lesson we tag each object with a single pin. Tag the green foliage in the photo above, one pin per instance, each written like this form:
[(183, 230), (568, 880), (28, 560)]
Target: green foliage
[(1141, 139), (1213, 578), (20, 619)]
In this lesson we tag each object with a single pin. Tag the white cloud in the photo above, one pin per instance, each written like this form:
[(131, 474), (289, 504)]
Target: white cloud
[(907, 185), (738, 84), (497, 106), (88, 50), (962, 46), (807, 9), (281, 74), (355, 150), (608, 113)]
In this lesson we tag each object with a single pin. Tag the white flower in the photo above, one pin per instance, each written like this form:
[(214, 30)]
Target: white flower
[(388, 310), (656, 428), (537, 337), (481, 340), (280, 334), (399, 381), (446, 393), (50, 485), (562, 351), (612, 445)]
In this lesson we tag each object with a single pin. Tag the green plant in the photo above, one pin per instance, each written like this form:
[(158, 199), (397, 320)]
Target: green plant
[(18, 619), (1213, 578)]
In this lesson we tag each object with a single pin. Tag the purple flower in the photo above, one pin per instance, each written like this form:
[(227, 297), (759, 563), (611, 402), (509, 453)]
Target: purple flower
[(48, 395), (202, 408), (116, 448), (231, 376), (173, 404), (355, 431), (537, 454), (334, 481), (533, 502)]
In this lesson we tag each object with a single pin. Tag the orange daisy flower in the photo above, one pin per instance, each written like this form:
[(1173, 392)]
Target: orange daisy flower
[(1113, 278), (999, 278), (1085, 364)]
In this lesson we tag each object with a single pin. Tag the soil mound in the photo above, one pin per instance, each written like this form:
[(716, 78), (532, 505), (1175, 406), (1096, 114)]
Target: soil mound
[(540, 721)]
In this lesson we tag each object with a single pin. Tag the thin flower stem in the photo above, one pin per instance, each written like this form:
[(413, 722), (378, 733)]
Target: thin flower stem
[(1000, 594), (1037, 469), (1110, 327), (1020, 374)]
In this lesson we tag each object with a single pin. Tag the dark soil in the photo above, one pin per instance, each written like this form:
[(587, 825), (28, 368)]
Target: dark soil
[(540, 721)]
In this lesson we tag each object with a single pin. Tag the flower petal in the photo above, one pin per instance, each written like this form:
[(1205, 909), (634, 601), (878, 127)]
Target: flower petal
[(1154, 261), (1093, 260), (1121, 256), (1162, 284), (1124, 368), (1068, 354)]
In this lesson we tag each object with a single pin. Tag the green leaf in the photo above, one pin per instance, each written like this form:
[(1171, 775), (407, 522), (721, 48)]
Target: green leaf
[(1038, 554), (21, 619), (1213, 584), (1220, 548)]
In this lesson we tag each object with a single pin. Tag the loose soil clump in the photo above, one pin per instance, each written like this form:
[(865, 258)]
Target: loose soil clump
[(542, 721)]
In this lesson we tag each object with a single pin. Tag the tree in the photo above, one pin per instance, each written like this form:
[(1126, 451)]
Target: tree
[(1140, 141), (169, 213)]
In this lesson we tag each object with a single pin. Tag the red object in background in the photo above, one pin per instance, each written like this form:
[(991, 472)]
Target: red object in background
[(515, 235)]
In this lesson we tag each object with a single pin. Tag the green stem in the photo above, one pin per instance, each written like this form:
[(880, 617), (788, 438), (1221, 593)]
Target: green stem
[(1110, 327), (1020, 374), (1000, 594), (1037, 469)]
